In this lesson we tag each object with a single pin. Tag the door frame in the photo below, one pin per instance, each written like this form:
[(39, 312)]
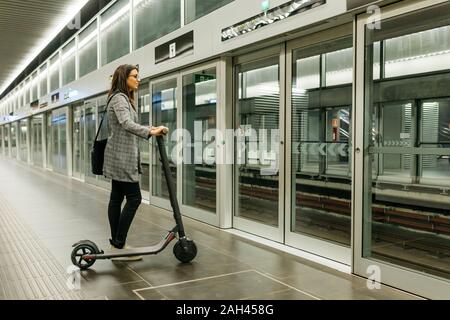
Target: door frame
[(195, 213), (315, 245), (244, 224), (391, 274)]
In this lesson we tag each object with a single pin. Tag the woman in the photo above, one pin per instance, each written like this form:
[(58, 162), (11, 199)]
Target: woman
[(122, 158)]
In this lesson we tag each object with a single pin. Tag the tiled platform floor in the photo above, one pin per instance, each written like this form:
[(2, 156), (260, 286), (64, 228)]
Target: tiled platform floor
[(42, 214)]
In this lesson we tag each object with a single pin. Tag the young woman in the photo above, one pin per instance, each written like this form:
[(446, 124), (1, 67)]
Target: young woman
[(122, 158)]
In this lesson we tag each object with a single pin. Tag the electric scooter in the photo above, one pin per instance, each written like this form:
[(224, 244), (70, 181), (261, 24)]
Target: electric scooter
[(86, 252)]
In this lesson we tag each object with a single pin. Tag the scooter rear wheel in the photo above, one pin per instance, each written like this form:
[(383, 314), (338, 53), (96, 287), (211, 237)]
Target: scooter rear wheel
[(187, 254), (77, 256)]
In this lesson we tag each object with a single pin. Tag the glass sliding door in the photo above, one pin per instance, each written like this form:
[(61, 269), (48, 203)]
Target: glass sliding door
[(199, 174), (402, 148), (78, 142), (13, 139), (59, 140), (103, 134), (2, 149), (48, 140), (6, 140), (319, 114), (90, 130), (23, 140), (37, 127), (259, 107), (144, 145), (164, 112)]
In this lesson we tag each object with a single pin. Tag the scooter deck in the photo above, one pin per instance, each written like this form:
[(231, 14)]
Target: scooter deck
[(141, 251)]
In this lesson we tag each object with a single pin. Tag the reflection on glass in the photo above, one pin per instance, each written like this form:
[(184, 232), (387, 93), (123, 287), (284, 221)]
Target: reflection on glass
[(87, 50), (23, 132), (48, 139), (435, 133), (90, 132), (164, 112), (37, 123), (115, 32), (144, 146), (155, 19), (68, 63), (59, 139), (406, 217), (78, 140), (54, 73), (321, 134), (199, 119), (257, 159), (195, 9), (103, 134), (13, 139)]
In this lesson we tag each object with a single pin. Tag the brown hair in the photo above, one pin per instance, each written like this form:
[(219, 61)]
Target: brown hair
[(119, 81)]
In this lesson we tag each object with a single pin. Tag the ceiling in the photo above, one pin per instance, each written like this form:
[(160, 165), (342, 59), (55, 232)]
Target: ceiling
[(26, 27)]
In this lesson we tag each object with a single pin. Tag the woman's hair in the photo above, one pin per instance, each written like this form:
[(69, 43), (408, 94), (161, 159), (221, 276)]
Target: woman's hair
[(119, 81)]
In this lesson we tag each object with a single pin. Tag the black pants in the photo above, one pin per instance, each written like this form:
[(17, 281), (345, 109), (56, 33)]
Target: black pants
[(120, 220)]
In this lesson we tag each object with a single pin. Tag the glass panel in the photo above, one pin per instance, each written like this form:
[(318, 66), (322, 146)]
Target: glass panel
[(257, 150), (36, 143), (90, 131), (418, 52), (103, 134), (13, 139), (23, 131), (406, 219), (164, 112), (154, 19), (195, 9), (49, 144), (68, 63), (321, 134), (1, 140), (78, 140), (6, 133), (115, 32), (435, 133), (339, 67), (54, 73), (59, 148), (144, 146), (87, 50), (199, 121), (34, 87), (27, 93)]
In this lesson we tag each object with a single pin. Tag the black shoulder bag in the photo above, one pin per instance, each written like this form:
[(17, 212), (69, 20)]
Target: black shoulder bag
[(98, 150)]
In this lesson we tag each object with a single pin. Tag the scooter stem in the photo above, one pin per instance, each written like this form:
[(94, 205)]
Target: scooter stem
[(170, 186)]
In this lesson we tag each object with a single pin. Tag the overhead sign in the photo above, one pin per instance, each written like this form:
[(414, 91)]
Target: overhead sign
[(199, 77)]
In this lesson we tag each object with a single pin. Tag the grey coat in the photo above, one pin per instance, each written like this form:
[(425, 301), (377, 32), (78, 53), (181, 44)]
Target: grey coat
[(122, 158)]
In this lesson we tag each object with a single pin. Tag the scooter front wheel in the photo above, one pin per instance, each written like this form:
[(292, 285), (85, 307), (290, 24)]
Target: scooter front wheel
[(77, 256), (185, 254)]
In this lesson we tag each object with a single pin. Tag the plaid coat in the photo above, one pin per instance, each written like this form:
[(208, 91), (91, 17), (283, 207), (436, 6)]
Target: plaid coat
[(122, 158)]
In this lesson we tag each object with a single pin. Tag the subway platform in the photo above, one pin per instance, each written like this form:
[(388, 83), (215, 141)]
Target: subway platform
[(43, 213)]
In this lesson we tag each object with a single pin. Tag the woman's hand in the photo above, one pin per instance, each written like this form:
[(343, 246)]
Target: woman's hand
[(158, 131)]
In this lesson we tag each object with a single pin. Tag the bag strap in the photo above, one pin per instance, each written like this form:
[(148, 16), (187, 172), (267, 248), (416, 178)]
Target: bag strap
[(103, 117)]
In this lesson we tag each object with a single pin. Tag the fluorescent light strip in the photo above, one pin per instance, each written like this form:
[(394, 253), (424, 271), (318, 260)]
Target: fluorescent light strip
[(49, 35)]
